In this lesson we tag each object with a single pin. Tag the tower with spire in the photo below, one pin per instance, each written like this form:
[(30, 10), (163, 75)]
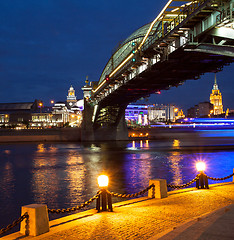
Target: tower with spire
[(216, 99), (71, 98)]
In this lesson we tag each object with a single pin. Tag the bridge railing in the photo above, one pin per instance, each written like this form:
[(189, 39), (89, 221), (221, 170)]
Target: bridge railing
[(170, 26), (158, 35)]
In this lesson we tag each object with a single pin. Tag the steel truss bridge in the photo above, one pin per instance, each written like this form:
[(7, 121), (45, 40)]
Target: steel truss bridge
[(185, 40)]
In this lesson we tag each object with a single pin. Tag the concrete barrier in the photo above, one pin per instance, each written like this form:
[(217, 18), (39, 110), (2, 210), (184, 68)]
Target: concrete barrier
[(160, 190), (38, 221)]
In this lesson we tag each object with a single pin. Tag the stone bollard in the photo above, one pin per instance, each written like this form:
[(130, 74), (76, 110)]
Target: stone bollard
[(160, 188), (38, 221)]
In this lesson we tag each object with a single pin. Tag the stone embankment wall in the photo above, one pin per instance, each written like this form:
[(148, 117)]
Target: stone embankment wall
[(39, 135)]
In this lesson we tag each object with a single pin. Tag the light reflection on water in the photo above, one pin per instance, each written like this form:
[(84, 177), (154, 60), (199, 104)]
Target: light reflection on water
[(64, 175)]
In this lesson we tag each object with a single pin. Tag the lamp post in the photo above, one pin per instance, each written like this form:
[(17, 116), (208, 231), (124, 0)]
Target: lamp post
[(103, 181), (40, 105), (202, 180)]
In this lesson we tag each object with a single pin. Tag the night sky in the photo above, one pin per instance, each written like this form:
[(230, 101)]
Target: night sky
[(48, 45)]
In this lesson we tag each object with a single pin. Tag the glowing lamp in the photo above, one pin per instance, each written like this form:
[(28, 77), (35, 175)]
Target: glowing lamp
[(201, 166), (103, 181)]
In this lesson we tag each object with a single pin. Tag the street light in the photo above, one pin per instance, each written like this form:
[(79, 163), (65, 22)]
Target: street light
[(202, 180), (40, 105), (103, 182), (201, 166)]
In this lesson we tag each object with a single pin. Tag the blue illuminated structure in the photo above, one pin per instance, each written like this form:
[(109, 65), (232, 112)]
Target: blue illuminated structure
[(209, 121), (136, 114)]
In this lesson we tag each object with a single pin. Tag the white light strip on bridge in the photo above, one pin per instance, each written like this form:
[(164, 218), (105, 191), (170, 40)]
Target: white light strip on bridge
[(99, 86), (152, 24), (147, 34), (130, 56), (143, 41)]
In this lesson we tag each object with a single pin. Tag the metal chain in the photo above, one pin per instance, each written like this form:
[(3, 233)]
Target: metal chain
[(220, 179), (131, 195), (15, 223), (75, 208), (184, 185)]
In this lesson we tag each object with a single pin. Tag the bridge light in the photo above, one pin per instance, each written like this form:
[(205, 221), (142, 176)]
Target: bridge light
[(107, 78), (134, 59), (133, 44), (133, 51)]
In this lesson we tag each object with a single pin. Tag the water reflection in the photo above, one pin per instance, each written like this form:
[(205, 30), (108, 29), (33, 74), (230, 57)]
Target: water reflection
[(136, 168), (75, 177), (65, 175), (7, 182), (176, 168)]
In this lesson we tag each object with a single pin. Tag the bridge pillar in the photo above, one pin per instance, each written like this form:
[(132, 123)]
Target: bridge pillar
[(87, 125), (118, 131)]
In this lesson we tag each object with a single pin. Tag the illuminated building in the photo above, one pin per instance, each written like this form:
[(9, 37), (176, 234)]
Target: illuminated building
[(136, 114), (71, 98), (216, 99), (17, 114), (162, 113)]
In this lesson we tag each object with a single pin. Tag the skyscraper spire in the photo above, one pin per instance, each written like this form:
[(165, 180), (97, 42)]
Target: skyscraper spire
[(215, 86)]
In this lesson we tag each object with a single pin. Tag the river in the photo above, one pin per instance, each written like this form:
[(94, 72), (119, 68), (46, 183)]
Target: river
[(63, 175)]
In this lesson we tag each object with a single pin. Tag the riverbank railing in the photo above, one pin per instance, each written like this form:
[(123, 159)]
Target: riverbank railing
[(157, 188)]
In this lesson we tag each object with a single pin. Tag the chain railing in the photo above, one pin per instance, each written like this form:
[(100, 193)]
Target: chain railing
[(15, 223), (220, 179), (103, 197), (119, 195), (202, 177), (184, 185), (67, 210)]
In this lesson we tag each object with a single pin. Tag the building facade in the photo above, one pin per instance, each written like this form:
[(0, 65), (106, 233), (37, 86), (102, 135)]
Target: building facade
[(216, 99), (203, 109)]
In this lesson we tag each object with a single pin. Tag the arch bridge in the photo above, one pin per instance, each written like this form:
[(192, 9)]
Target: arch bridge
[(185, 40)]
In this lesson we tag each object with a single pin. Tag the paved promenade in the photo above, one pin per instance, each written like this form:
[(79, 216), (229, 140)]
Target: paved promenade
[(185, 214)]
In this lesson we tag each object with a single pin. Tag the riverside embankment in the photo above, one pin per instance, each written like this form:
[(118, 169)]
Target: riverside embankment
[(155, 133), (41, 135), (184, 214)]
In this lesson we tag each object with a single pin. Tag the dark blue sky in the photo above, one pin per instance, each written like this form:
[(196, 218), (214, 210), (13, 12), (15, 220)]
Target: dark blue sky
[(48, 45)]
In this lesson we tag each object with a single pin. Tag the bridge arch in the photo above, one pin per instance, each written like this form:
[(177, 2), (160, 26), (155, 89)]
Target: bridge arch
[(186, 40)]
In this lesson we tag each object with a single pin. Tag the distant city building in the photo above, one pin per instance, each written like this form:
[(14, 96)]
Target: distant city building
[(216, 99), (71, 97), (202, 109), (162, 113), (136, 114), (143, 114), (205, 109), (12, 114)]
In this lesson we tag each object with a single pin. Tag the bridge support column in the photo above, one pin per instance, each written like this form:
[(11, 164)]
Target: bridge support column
[(118, 132), (103, 131), (87, 125)]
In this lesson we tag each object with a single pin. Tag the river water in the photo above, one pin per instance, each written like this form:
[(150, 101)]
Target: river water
[(63, 175)]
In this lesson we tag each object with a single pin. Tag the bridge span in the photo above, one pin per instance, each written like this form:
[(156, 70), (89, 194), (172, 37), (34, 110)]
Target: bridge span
[(185, 40)]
